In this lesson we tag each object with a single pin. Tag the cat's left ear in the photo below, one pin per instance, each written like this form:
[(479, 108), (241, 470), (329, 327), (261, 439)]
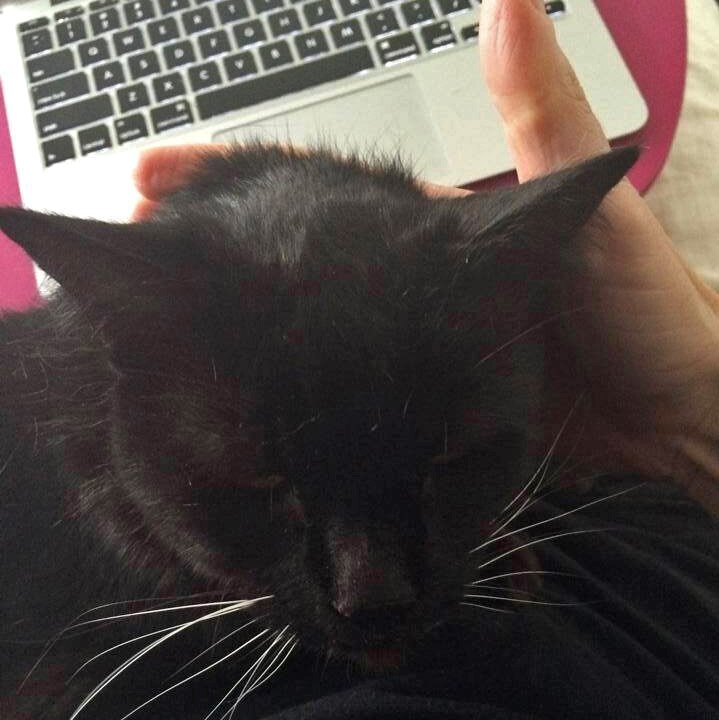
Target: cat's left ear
[(97, 262), (551, 208)]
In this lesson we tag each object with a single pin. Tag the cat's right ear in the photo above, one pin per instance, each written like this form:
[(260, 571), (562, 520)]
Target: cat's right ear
[(98, 263)]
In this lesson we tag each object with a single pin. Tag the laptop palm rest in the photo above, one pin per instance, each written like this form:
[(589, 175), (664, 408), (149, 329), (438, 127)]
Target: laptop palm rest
[(379, 119)]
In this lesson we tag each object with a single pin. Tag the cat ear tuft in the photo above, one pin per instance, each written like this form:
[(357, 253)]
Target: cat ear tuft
[(556, 206)]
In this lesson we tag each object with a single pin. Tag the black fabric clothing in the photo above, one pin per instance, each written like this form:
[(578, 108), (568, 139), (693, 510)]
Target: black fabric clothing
[(643, 643)]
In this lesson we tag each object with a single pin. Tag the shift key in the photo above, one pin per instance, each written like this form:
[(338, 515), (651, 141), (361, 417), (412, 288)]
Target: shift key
[(72, 116)]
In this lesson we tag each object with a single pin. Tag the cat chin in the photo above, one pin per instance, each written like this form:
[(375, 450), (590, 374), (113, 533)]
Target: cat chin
[(372, 660)]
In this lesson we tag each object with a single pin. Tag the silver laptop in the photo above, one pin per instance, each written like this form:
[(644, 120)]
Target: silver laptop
[(89, 83)]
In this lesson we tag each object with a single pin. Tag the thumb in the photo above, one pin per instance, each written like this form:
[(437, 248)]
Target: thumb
[(546, 116)]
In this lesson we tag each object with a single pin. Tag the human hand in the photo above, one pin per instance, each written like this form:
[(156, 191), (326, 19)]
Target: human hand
[(646, 348)]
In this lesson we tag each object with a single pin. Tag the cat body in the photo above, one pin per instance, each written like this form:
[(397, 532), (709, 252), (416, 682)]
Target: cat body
[(301, 383)]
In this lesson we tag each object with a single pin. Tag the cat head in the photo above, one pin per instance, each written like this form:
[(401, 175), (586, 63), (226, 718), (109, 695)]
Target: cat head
[(328, 384)]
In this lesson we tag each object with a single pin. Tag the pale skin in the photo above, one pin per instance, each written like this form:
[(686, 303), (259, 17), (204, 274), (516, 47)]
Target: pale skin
[(645, 350)]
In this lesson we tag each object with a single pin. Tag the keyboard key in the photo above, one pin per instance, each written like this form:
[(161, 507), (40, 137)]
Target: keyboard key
[(132, 97), (293, 79), (249, 33), (33, 24), (382, 22), (69, 13), (470, 32), (311, 43), (417, 11), (132, 127), (204, 76), (171, 116), (93, 51), (350, 7), (346, 33), (66, 117), (60, 90), (36, 41), (47, 66), (94, 138), (231, 10), (554, 7), (105, 21), (170, 6), (198, 20), (178, 54), (448, 7), (143, 65), (138, 10), (163, 30), (57, 150), (438, 36), (267, 5), (214, 43), (102, 4), (70, 31), (240, 65), (398, 47), (168, 86), (127, 41), (275, 54), (284, 22), (319, 12), (108, 75)]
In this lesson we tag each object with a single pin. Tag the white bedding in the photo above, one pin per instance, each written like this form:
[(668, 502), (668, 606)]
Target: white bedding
[(685, 197)]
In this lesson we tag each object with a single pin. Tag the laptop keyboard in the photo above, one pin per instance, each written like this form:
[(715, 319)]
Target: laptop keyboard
[(110, 73)]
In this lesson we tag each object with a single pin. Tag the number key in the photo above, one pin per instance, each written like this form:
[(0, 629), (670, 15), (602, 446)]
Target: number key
[(138, 11), (71, 31), (231, 10), (36, 41), (382, 22), (105, 21), (319, 12)]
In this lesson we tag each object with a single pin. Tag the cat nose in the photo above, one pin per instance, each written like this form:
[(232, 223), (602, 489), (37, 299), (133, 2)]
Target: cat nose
[(370, 587)]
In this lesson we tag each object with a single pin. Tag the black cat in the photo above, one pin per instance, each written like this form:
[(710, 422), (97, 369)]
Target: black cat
[(302, 383)]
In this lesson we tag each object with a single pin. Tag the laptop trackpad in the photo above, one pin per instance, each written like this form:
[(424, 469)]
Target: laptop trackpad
[(390, 117)]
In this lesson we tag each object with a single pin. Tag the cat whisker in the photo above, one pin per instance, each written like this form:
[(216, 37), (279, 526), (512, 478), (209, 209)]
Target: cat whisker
[(140, 654), (273, 667), (531, 329), (207, 668), (543, 465), (487, 607), (555, 517), (528, 602), (215, 644), (119, 645), (556, 536), (503, 588), (258, 664), (524, 572), (247, 672), (74, 624), (174, 608)]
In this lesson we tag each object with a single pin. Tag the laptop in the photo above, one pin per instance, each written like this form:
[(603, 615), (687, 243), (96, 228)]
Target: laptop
[(89, 84)]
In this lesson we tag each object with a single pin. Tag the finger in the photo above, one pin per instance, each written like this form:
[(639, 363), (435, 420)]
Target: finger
[(439, 191), (163, 170), (546, 116), (143, 210)]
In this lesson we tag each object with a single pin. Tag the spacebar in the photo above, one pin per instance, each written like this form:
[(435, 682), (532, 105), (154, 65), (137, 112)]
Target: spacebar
[(300, 77)]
